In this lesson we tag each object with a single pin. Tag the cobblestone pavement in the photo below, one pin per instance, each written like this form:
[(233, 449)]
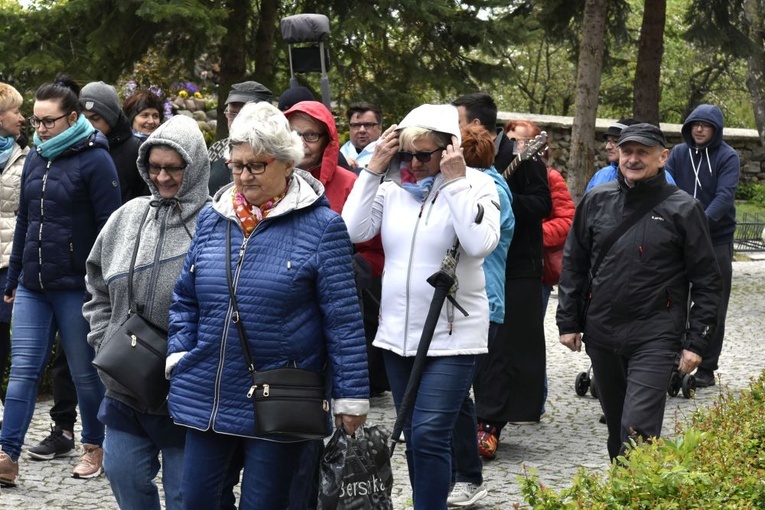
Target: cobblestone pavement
[(568, 438)]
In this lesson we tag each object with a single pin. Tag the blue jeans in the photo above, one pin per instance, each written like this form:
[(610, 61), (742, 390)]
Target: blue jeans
[(444, 385), (131, 462), (269, 468), (36, 318)]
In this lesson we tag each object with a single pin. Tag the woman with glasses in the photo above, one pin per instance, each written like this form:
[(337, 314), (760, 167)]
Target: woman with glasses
[(428, 203), (271, 239), (69, 188), (13, 153), (173, 161)]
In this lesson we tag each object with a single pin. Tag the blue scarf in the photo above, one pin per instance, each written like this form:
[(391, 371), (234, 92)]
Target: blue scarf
[(421, 188), (6, 148), (75, 134)]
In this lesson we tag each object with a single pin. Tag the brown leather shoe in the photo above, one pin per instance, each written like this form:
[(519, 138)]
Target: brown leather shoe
[(91, 463), (9, 471)]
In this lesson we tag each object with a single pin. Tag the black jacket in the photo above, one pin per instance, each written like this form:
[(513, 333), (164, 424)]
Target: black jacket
[(640, 291), (123, 148), (531, 204)]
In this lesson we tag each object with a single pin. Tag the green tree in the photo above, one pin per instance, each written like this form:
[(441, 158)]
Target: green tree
[(591, 50)]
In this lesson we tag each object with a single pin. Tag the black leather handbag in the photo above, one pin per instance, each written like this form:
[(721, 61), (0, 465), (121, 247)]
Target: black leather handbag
[(134, 357), (289, 402)]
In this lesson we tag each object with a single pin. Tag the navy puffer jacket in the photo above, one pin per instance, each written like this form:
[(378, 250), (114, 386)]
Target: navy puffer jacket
[(297, 298), (63, 205)]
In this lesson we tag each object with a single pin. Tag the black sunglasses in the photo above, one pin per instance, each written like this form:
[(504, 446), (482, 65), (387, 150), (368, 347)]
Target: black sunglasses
[(422, 156)]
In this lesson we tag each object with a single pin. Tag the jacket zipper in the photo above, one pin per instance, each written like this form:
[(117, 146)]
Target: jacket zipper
[(229, 313), (155, 266), (40, 231)]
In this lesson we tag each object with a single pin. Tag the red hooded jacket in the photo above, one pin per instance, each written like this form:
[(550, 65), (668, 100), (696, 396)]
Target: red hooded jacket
[(338, 181)]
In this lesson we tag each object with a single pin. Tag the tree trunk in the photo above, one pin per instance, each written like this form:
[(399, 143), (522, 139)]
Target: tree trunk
[(755, 78), (647, 91), (587, 90), (232, 56), (265, 42)]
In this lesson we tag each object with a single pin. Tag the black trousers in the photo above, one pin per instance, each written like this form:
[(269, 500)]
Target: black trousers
[(724, 256), (632, 389), (370, 306), (64, 410), (510, 382)]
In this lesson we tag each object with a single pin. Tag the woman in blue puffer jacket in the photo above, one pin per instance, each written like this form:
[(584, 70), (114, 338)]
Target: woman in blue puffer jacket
[(290, 259), (69, 188)]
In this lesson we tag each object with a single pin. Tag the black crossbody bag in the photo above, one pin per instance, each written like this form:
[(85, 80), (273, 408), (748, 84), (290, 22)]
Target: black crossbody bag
[(290, 401), (614, 236), (134, 356)]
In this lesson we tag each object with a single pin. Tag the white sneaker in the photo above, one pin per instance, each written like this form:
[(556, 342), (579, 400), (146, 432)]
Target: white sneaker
[(465, 494)]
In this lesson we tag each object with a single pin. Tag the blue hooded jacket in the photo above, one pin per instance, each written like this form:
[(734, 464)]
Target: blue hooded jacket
[(709, 173)]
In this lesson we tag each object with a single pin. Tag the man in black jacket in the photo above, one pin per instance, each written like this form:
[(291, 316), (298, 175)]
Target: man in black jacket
[(637, 320)]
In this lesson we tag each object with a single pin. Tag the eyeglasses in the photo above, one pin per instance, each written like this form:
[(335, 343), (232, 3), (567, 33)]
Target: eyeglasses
[(702, 125), (422, 156), (365, 125), (170, 170), (229, 114), (48, 123), (255, 168), (310, 136)]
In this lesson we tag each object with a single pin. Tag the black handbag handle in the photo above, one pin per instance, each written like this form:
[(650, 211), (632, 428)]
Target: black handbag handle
[(132, 307), (237, 319)]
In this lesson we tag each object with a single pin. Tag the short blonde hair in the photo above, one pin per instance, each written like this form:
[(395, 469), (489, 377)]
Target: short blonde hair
[(9, 98), (267, 131), (410, 135)]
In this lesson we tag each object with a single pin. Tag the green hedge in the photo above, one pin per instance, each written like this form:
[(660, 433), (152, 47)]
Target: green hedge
[(717, 461), (751, 192)]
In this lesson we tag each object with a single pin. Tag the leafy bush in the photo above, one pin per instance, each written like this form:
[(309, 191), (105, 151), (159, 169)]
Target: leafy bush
[(717, 461), (752, 192)]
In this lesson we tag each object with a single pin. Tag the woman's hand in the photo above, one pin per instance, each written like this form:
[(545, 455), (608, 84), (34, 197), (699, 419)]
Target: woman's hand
[(386, 148), (452, 162), (9, 299), (349, 422)]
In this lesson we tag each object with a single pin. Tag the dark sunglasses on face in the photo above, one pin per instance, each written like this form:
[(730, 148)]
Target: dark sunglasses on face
[(422, 156)]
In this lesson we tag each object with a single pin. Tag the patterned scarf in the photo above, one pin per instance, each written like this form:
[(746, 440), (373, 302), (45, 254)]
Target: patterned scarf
[(77, 132), (250, 215), (420, 189)]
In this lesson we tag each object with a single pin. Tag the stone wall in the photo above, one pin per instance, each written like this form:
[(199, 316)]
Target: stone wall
[(745, 141)]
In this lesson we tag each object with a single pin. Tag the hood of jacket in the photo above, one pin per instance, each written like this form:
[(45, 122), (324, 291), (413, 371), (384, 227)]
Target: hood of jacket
[(120, 132), (443, 118), (304, 191), (319, 112), (181, 134), (710, 114)]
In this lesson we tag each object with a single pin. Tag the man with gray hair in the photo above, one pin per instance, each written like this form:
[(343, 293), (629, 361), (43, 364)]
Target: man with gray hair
[(648, 240)]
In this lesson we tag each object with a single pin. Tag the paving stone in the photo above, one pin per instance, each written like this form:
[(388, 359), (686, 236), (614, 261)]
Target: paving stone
[(568, 438)]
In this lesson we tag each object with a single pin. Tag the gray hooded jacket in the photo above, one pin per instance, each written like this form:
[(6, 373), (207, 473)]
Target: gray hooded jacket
[(165, 235)]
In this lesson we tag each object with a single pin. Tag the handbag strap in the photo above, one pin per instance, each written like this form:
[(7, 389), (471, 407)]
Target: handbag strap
[(628, 222), (236, 317), (132, 307)]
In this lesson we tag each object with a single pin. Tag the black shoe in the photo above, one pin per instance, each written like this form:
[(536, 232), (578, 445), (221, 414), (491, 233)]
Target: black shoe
[(602, 419), (704, 378), (55, 445)]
